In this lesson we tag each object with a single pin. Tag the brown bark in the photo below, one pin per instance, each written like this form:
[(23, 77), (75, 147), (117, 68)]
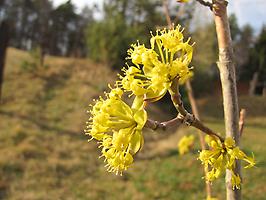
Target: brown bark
[(228, 80), (4, 37)]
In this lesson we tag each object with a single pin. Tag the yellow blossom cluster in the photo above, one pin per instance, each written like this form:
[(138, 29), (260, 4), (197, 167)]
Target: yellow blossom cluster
[(155, 68), (222, 156), (118, 128), (185, 143)]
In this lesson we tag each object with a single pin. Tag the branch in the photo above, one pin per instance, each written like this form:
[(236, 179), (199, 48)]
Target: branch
[(154, 125), (205, 3), (219, 7), (166, 13), (185, 116), (242, 121)]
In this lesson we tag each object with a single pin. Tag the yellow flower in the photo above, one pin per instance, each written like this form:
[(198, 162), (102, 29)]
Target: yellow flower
[(185, 144), (169, 39), (170, 43), (118, 149), (154, 83), (236, 181), (182, 1), (222, 156), (182, 70), (118, 128), (211, 198), (154, 69), (109, 114), (136, 53)]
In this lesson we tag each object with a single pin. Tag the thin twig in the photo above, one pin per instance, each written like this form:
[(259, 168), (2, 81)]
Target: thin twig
[(155, 125), (184, 117), (180, 13), (166, 12), (242, 121), (188, 118)]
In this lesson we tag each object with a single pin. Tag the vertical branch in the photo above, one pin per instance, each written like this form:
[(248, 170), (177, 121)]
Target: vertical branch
[(166, 13), (242, 121), (195, 111), (191, 100), (228, 80)]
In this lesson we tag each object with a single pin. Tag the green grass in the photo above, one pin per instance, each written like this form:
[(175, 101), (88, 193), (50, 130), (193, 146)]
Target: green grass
[(44, 154)]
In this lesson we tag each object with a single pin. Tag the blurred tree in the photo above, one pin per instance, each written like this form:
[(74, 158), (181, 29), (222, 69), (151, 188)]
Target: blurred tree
[(67, 30), (4, 38), (242, 39), (29, 21), (36, 24), (242, 49), (234, 28), (86, 18), (43, 9), (205, 61), (109, 38), (256, 66), (64, 25)]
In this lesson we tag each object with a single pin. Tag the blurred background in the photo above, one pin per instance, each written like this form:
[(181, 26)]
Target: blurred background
[(56, 56)]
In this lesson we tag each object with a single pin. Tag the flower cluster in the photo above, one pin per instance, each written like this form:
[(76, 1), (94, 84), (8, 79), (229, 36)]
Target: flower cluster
[(118, 128), (222, 156), (185, 143), (155, 68)]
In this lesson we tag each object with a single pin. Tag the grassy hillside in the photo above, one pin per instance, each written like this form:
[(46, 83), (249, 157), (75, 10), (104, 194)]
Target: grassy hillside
[(44, 154)]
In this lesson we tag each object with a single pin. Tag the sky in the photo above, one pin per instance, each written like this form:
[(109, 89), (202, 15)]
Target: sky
[(253, 13)]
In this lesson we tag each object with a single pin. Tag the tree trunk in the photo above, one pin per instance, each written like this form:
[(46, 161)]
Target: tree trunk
[(228, 80), (253, 84), (4, 38)]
